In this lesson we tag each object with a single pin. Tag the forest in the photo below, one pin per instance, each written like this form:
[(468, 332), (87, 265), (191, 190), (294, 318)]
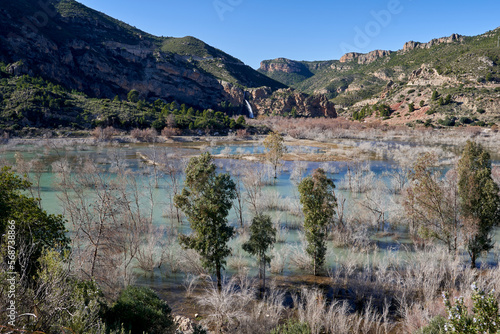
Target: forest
[(299, 231)]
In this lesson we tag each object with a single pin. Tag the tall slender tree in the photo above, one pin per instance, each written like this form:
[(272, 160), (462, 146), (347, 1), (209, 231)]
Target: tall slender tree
[(479, 198), (318, 204), (262, 237), (206, 200)]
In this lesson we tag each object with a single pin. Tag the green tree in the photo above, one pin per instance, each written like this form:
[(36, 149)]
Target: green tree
[(434, 96), (206, 200), (447, 99), (241, 121), (411, 107), (30, 223), (318, 201), (422, 103), (275, 146), (133, 96), (262, 237), (479, 198)]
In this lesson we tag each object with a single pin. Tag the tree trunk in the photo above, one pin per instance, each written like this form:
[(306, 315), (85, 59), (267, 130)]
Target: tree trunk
[(219, 277), (473, 260), (264, 275)]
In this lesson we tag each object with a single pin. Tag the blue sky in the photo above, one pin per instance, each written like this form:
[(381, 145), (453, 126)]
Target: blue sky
[(254, 30)]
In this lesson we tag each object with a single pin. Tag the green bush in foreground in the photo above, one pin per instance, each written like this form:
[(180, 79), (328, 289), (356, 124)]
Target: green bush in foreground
[(292, 327), (483, 319), (139, 310)]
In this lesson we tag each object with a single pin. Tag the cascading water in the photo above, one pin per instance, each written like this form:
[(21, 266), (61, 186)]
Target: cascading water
[(250, 110)]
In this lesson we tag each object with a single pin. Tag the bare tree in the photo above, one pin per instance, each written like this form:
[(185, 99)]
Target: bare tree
[(110, 214)]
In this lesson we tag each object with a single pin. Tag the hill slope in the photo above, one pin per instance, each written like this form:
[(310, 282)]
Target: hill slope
[(83, 49), (466, 68)]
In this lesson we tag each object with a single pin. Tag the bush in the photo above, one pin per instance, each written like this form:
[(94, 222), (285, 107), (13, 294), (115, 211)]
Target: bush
[(170, 132), (147, 135), (484, 318), (292, 327), (139, 310), (435, 326), (104, 134)]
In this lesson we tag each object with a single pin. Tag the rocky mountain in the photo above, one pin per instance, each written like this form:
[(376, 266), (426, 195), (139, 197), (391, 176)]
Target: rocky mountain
[(449, 80), (81, 49)]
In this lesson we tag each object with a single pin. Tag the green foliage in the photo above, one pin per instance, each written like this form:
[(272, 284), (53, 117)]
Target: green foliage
[(318, 201), (484, 317), (206, 200), (241, 121), (384, 110), (363, 113), (435, 95), (411, 107), (262, 238), (292, 327), (32, 224), (479, 198), (422, 103), (435, 326), (448, 121), (133, 96), (139, 310)]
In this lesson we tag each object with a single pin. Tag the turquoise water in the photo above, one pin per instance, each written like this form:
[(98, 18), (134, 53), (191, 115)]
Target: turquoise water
[(283, 188)]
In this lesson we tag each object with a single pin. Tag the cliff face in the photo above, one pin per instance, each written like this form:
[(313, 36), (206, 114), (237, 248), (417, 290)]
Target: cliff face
[(367, 58), (282, 65), (88, 51), (411, 45)]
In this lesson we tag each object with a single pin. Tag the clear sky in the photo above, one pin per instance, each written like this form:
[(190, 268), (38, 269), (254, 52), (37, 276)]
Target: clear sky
[(254, 30)]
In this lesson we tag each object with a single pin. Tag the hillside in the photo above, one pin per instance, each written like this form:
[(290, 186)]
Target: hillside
[(465, 68)]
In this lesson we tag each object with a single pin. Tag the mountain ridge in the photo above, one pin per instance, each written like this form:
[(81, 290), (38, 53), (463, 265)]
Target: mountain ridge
[(466, 68), (79, 48)]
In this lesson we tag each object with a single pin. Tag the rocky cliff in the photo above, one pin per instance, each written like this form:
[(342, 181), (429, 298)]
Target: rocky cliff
[(283, 65), (82, 49), (364, 58), (411, 45)]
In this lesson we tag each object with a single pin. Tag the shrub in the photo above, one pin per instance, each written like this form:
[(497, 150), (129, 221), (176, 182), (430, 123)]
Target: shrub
[(435, 326), (241, 133), (104, 134), (170, 132), (292, 327), (139, 310), (147, 135), (484, 318)]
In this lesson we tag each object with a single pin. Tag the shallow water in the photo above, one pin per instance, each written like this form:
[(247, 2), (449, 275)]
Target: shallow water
[(284, 187)]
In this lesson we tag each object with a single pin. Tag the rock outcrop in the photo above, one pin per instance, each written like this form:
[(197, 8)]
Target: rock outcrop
[(289, 101), (282, 65), (365, 58), (411, 45)]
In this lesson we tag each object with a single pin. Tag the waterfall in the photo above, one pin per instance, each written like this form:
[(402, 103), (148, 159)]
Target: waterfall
[(250, 111)]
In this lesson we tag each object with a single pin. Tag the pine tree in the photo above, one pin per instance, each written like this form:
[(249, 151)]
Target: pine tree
[(262, 237), (479, 198), (318, 204), (206, 200)]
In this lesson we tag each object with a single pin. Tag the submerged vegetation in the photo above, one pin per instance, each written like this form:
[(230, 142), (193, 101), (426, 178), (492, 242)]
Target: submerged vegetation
[(332, 222)]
